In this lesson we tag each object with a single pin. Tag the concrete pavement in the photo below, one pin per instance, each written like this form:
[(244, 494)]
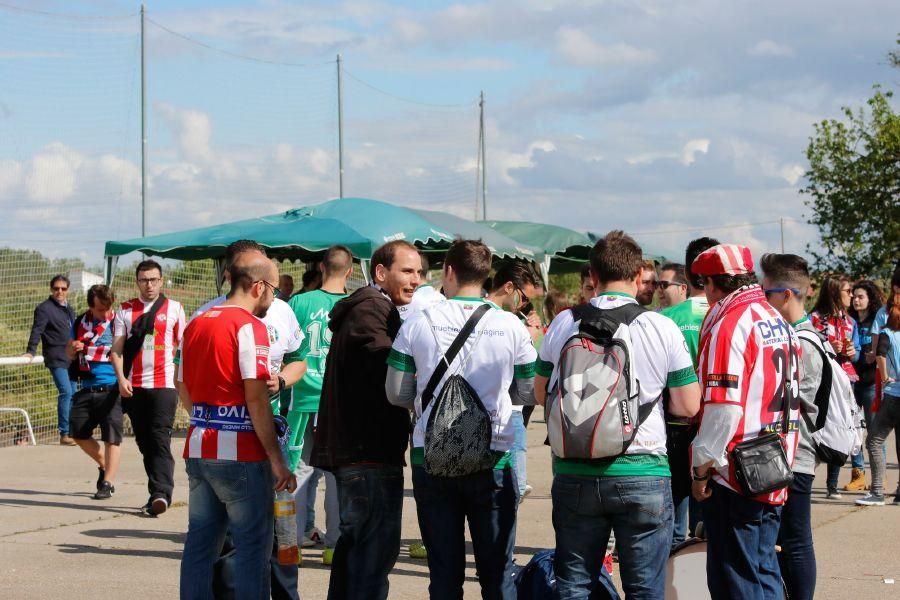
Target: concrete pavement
[(55, 541)]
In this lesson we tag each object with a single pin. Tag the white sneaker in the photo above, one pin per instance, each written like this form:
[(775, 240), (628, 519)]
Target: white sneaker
[(871, 499), (313, 537)]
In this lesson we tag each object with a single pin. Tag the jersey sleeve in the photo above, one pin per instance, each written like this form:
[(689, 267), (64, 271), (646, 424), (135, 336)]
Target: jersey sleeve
[(119, 328), (725, 366), (560, 329), (300, 352), (681, 366), (526, 356), (253, 351), (178, 329), (401, 355), (296, 337), (880, 321)]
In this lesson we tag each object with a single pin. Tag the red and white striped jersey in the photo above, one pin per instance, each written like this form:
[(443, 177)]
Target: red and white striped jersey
[(154, 366), (750, 357), (221, 348)]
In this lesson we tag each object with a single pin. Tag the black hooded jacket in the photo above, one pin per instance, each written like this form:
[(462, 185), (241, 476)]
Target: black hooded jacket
[(356, 423)]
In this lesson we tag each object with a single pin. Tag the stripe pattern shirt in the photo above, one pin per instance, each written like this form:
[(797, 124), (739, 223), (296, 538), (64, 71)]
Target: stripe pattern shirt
[(223, 347), (750, 358), (154, 366)]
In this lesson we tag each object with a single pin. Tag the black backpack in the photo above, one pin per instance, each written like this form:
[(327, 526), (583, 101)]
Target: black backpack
[(458, 431)]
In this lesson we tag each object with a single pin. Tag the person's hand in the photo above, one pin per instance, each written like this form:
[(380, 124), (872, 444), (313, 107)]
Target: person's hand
[(284, 478), (77, 346), (125, 389), (272, 384), (29, 356), (534, 325), (869, 357), (700, 490), (837, 346), (850, 351)]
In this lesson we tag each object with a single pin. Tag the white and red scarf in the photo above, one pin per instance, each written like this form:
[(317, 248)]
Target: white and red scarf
[(89, 333), (736, 300)]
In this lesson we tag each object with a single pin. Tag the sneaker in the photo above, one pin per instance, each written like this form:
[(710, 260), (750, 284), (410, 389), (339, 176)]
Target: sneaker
[(66, 440), (311, 538), (417, 550), (871, 499), (155, 506), (101, 477), (528, 490), (833, 494), (105, 491), (897, 499), (327, 556)]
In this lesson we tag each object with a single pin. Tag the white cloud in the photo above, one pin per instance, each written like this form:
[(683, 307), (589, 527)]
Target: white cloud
[(581, 49), (770, 48), (687, 156), (192, 128)]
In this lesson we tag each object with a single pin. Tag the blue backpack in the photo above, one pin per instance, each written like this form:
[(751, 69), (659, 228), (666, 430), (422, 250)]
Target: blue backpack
[(536, 581)]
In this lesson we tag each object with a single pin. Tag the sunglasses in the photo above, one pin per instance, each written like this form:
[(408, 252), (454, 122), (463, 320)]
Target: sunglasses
[(275, 290), (769, 291), (59, 289), (662, 284)]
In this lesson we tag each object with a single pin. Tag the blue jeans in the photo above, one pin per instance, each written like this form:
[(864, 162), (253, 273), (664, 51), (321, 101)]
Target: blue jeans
[(371, 503), (518, 450), (63, 399), (234, 496), (585, 509), (740, 558), (488, 501), (797, 558), (680, 522)]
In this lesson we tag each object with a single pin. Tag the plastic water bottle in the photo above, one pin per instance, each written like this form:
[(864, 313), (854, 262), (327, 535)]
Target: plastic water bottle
[(285, 507), (286, 528)]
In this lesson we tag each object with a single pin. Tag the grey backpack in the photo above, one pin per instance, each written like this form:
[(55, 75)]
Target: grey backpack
[(593, 409), (458, 431)]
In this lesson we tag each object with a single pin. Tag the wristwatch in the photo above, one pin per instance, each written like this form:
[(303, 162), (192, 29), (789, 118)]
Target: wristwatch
[(281, 383), (697, 477)]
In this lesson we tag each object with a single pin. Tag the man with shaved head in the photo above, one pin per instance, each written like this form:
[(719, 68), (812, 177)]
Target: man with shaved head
[(233, 460)]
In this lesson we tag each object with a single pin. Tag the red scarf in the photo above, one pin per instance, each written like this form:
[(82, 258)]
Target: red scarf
[(90, 335)]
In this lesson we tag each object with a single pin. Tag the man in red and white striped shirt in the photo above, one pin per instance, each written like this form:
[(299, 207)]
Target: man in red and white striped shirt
[(143, 355), (231, 452), (748, 365)]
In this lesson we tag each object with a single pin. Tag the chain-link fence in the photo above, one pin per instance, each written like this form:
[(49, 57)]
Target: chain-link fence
[(24, 283)]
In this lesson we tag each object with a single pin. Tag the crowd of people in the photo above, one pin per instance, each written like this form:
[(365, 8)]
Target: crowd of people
[(707, 405)]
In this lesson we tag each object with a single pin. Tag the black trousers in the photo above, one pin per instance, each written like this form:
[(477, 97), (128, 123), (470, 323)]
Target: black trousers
[(152, 414)]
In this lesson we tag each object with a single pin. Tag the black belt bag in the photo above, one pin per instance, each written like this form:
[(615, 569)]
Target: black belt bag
[(761, 464)]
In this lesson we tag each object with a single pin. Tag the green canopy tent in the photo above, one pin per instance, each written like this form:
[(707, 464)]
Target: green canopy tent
[(304, 233), (566, 249)]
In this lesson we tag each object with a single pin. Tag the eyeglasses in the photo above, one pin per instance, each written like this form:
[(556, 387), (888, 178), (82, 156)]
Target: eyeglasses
[(275, 290), (769, 291), (149, 280), (662, 284), (59, 289), (846, 291)]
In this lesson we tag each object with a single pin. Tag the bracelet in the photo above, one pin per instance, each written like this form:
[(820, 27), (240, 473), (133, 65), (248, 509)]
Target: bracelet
[(696, 477), (281, 383)]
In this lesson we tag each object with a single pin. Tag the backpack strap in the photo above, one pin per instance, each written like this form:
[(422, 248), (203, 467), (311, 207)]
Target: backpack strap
[(603, 322), (823, 393), (140, 328), (452, 351)]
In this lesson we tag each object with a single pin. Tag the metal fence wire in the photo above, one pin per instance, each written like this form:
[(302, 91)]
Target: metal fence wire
[(24, 283)]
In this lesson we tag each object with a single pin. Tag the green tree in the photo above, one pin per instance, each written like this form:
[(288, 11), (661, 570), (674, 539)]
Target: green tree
[(853, 184)]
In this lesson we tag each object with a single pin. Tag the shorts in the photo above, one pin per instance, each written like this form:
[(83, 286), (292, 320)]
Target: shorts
[(93, 407)]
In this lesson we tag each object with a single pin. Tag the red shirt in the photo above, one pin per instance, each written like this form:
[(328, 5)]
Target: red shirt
[(222, 348)]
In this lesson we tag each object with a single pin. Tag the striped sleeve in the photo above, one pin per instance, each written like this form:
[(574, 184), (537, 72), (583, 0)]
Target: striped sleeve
[(253, 351), (526, 355), (725, 368), (401, 355)]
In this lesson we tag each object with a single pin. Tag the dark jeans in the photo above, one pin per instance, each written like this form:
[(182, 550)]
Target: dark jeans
[(678, 443), (585, 509), (740, 558), (235, 496), (283, 577), (371, 503), (64, 387), (797, 558), (488, 501), (152, 414), (887, 419)]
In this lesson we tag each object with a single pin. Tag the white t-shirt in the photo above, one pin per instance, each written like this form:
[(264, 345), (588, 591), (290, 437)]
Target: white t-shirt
[(661, 359), (284, 330), (423, 297), (503, 351)]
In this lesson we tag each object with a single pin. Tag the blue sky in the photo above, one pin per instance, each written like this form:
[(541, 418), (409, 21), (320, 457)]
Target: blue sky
[(666, 119)]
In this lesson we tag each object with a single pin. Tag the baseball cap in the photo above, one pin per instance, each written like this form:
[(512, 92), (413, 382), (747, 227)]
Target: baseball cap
[(724, 259)]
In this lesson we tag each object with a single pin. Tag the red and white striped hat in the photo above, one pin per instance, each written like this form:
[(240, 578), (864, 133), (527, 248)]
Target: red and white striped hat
[(724, 259)]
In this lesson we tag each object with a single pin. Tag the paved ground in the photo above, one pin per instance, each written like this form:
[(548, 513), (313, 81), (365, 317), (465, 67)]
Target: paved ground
[(55, 540)]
